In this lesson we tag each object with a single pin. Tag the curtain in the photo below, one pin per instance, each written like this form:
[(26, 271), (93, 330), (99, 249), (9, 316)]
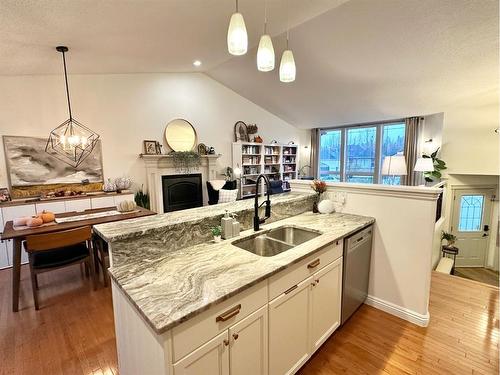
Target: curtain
[(411, 148), (314, 152)]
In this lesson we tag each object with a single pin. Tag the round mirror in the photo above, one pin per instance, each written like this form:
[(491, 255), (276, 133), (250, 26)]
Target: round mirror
[(180, 135)]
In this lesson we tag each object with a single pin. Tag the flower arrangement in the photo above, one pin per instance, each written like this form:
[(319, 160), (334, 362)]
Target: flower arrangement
[(449, 238), (319, 187)]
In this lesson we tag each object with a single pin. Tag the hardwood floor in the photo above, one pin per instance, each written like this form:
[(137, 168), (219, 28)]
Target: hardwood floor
[(73, 332), (483, 275)]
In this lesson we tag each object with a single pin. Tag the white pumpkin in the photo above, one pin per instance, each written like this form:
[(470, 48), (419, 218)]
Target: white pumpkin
[(326, 206), (125, 206)]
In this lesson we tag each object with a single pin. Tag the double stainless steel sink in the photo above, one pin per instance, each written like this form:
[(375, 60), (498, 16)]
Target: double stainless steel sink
[(276, 241)]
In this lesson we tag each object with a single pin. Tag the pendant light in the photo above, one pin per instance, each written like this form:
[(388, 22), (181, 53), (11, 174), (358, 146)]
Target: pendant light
[(287, 65), (237, 37), (265, 52), (71, 142)]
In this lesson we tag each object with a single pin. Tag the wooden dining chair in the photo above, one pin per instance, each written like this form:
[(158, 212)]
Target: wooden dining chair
[(101, 259), (47, 252)]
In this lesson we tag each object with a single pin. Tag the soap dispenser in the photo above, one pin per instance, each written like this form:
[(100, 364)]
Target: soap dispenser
[(227, 226), (236, 226)]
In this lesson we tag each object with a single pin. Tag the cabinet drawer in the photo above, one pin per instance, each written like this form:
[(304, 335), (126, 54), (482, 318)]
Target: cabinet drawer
[(55, 207), (295, 274), (78, 205), (103, 202), (200, 329)]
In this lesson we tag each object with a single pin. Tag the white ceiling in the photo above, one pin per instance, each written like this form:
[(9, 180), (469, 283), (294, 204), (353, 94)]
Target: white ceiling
[(357, 60), (128, 36), (371, 60)]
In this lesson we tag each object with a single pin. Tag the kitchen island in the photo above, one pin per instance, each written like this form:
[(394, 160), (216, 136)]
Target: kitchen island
[(223, 309)]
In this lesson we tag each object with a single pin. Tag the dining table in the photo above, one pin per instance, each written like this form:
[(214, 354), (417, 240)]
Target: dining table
[(18, 235)]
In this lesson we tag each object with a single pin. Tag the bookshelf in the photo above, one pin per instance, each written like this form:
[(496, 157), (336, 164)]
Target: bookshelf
[(277, 162)]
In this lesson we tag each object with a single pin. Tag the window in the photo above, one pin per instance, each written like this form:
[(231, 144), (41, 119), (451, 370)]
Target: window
[(360, 159), (471, 213), (393, 141), (355, 153), (330, 155)]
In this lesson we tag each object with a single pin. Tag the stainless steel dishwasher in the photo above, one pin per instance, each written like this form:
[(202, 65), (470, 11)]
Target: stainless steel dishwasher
[(356, 271)]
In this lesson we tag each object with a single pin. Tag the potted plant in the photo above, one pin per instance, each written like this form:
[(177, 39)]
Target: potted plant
[(439, 165), (450, 238), (142, 199), (217, 232), (319, 187)]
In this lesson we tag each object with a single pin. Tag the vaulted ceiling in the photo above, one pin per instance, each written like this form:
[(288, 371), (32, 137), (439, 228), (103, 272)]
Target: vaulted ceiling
[(357, 60)]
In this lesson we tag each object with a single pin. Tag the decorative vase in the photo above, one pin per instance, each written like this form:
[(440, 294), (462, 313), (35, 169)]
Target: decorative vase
[(217, 239), (109, 186), (315, 204), (122, 183), (326, 206), (315, 207)]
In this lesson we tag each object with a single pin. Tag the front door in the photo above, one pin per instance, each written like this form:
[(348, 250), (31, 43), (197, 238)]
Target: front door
[(471, 224)]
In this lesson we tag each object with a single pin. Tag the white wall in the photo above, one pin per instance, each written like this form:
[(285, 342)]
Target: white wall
[(125, 109), (400, 273)]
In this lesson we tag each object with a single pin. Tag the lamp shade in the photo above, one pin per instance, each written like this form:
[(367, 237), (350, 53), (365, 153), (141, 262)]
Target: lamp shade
[(424, 165), (237, 37), (265, 54), (394, 165), (287, 67)]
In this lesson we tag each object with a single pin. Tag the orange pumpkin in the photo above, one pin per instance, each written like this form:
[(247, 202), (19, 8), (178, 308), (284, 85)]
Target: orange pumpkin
[(47, 216), (34, 222)]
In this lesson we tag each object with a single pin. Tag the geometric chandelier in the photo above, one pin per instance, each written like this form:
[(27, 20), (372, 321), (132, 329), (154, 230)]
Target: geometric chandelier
[(71, 142)]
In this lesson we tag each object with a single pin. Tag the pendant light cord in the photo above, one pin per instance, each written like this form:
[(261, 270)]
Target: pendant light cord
[(287, 22), (67, 88), (265, 17), (236, 6)]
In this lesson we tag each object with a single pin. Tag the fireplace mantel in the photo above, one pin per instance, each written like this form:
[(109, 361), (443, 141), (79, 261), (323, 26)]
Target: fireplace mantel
[(161, 165)]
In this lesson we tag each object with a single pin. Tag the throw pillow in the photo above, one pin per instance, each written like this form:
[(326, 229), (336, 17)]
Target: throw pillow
[(227, 195)]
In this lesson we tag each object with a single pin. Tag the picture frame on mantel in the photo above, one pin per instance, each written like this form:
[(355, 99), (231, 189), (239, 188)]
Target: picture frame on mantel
[(150, 147)]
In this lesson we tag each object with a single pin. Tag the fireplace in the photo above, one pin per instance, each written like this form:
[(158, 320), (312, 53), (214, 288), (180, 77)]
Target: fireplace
[(181, 191)]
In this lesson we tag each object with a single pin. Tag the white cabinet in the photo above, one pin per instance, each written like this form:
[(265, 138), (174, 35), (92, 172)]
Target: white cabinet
[(4, 260), (123, 197), (55, 207), (248, 345), (77, 205), (210, 358), (10, 213), (325, 301), (289, 329), (102, 202)]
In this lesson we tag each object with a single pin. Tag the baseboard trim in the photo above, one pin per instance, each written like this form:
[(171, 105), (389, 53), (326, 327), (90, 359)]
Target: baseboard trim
[(400, 312)]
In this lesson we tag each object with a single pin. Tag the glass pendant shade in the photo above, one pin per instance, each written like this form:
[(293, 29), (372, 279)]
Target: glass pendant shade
[(287, 67), (265, 54), (237, 37)]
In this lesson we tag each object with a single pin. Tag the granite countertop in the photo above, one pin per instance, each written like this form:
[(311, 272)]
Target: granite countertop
[(143, 226), (183, 283)]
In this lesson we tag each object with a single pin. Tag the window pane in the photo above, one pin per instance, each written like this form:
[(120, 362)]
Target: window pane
[(393, 141), (333, 177), (360, 179), (471, 213), (329, 154), (361, 150), (391, 180)]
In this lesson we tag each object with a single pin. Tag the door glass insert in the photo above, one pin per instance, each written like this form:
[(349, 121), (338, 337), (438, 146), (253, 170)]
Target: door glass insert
[(471, 213)]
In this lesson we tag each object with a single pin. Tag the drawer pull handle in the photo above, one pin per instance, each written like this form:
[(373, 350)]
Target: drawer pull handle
[(226, 342), (229, 314), (291, 289), (314, 264), (316, 281), (235, 336)]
